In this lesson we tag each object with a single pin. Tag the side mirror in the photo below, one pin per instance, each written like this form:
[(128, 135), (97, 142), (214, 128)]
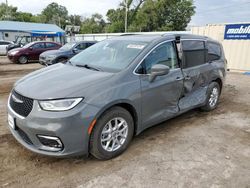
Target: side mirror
[(158, 70), (75, 50), (31, 48)]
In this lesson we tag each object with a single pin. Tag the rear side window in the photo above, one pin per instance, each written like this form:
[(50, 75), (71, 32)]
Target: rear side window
[(164, 54), (194, 53), (51, 45), (214, 51)]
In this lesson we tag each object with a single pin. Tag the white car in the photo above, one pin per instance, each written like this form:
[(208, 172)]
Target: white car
[(3, 45)]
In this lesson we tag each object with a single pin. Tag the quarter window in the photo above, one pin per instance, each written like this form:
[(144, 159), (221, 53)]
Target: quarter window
[(214, 51), (164, 54), (194, 53)]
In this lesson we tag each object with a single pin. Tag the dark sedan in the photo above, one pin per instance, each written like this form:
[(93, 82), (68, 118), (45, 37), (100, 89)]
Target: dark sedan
[(31, 51), (64, 53)]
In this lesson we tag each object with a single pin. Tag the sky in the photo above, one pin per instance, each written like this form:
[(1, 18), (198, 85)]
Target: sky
[(207, 11)]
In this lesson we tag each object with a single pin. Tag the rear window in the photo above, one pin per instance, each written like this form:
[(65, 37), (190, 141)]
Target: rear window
[(51, 45), (214, 51), (194, 53)]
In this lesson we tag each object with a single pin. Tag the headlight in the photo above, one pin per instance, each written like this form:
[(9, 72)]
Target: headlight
[(50, 57), (59, 105), (14, 52)]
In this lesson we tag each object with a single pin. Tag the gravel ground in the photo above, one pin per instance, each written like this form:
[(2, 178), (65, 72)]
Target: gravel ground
[(196, 149)]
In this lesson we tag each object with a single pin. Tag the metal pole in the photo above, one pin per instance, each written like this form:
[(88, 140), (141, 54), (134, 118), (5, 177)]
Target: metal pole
[(126, 16), (7, 10)]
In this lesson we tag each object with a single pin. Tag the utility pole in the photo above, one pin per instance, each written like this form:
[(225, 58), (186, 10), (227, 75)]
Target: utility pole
[(7, 10), (126, 16)]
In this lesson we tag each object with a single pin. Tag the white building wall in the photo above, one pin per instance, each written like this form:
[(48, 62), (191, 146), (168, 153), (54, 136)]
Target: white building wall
[(237, 52), (11, 36)]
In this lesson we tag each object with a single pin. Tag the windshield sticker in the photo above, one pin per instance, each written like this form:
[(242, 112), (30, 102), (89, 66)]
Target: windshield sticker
[(136, 46)]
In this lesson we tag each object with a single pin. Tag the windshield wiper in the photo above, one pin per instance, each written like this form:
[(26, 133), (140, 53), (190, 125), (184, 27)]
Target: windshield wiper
[(88, 67)]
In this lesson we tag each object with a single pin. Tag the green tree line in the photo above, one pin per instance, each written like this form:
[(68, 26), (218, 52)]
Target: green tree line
[(143, 16)]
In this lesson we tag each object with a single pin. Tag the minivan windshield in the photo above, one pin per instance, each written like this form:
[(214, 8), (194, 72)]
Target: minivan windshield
[(109, 55)]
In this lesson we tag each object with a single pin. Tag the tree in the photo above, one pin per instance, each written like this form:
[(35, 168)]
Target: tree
[(178, 15), (39, 18), (94, 24), (56, 14), (7, 12), (75, 20), (23, 17), (116, 20), (152, 15)]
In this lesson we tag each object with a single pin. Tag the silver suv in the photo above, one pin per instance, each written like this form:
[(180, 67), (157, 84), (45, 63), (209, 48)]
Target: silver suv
[(115, 89)]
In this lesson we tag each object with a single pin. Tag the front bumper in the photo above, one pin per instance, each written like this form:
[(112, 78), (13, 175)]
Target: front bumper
[(45, 62), (12, 58), (71, 127)]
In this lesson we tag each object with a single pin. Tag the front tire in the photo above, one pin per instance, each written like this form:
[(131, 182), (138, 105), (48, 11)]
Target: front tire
[(213, 95), (112, 133), (23, 59)]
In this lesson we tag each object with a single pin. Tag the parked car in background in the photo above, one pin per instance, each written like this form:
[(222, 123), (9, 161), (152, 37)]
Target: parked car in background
[(14, 45), (30, 52), (3, 46), (114, 90), (64, 53), (22, 41)]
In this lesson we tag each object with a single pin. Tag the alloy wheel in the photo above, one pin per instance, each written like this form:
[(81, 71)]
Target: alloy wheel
[(214, 97), (114, 134)]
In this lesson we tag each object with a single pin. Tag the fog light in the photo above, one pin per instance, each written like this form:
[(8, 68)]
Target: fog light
[(50, 143)]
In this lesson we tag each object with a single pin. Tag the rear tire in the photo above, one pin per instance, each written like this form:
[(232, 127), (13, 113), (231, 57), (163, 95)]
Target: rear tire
[(23, 59), (213, 94), (112, 133)]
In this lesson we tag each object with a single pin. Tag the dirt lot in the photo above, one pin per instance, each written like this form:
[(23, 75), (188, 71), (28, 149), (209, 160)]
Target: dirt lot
[(196, 149)]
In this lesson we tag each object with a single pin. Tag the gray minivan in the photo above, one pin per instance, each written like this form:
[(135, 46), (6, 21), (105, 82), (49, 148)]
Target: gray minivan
[(115, 89)]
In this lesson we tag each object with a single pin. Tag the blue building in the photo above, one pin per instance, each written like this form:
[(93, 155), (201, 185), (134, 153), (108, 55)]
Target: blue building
[(27, 32)]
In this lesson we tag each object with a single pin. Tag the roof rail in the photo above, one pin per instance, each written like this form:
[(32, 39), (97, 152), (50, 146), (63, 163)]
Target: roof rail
[(128, 34)]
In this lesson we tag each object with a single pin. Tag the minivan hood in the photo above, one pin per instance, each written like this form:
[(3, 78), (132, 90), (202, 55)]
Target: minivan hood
[(59, 81)]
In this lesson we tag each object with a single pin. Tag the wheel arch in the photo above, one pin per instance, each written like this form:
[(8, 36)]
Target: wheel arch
[(25, 55), (220, 82), (61, 57), (127, 106)]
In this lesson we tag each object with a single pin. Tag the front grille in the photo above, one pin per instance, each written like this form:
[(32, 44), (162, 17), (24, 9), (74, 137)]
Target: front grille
[(24, 136), (20, 104)]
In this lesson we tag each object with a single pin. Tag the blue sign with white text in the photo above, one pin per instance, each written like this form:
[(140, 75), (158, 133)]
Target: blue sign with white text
[(237, 32)]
